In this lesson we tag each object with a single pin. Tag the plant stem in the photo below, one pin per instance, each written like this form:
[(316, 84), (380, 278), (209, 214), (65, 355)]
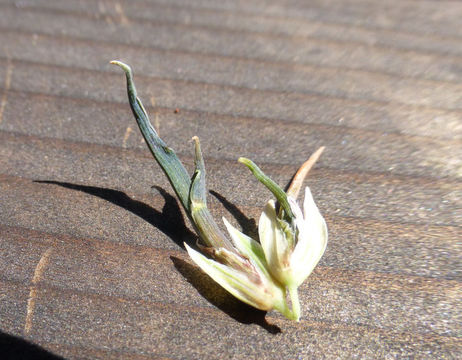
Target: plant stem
[(192, 193), (207, 228), (293, 292)]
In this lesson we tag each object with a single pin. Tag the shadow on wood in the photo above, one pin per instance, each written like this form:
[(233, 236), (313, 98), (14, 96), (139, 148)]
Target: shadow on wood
[(248, 225), (16, 348), (170, 221), (220, 298)]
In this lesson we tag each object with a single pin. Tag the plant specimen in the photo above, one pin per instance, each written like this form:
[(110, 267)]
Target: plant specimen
[(263, 273)]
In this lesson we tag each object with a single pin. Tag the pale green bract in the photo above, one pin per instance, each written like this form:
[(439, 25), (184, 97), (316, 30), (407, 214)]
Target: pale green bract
[(291, 262), (262, 274), (252, 284)]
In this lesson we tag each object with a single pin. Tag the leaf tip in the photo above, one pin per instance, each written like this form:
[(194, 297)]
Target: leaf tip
[(124, 66)]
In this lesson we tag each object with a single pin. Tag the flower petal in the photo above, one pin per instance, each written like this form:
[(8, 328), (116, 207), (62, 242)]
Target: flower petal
[(312, 240), (236, 282), (267, 229), (299, 218), (295, 207), (248, 247), (281, 244)]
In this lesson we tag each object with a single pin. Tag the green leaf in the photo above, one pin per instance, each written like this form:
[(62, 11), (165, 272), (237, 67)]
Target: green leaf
[(165, 156), (280, 195), (198, 194), (208, 229)]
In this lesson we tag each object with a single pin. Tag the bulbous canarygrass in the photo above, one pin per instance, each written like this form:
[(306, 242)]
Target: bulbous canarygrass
[(260, 274)]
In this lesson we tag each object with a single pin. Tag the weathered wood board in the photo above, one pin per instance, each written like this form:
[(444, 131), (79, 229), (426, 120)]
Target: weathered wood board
[(92, 263)]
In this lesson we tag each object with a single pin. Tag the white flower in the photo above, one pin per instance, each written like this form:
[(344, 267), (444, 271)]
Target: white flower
[(260, 274), (293, 246), (244, 273), (293, 250)]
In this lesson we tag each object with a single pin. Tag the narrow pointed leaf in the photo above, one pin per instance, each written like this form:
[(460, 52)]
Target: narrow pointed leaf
[(198, 187), (208, 229), (165, 156), (279, 193)]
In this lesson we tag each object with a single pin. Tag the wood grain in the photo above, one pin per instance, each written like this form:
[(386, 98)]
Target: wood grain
[(92, 263)]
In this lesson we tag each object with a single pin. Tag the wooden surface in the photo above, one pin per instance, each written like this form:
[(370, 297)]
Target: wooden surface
[(91, 257)]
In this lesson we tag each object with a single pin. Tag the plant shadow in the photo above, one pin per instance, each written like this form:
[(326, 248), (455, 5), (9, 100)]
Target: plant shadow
[(16, 348), (248, 225), (170, 220), (219, 297)]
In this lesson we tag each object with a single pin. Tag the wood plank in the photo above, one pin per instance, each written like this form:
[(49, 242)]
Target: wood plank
[(85, 211), (238, 20), (109, 123), (92, 263), (266, 49), (237, 101), (142, 274), (343, 193), (308, 80), (63, 316), (428, 17)]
